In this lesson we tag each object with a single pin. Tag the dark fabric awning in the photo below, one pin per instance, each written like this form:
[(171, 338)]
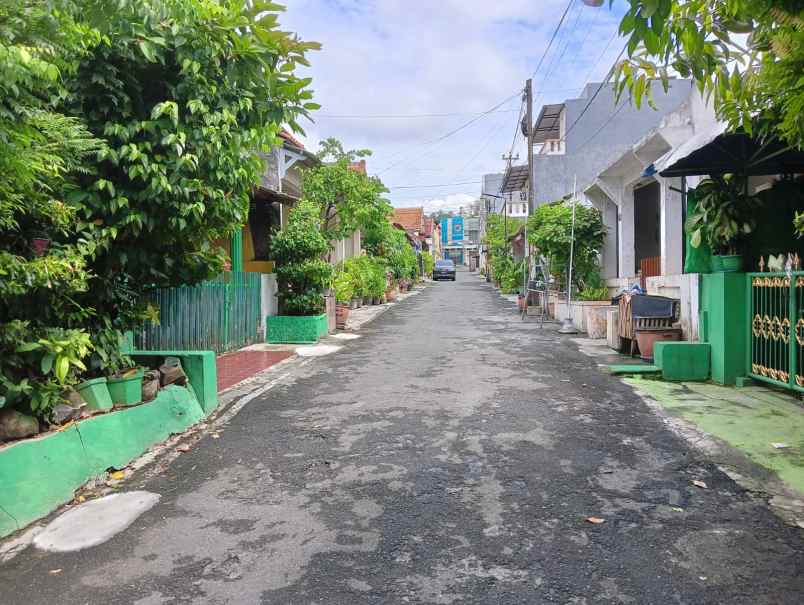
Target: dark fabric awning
[(516, 179), (718, 152)]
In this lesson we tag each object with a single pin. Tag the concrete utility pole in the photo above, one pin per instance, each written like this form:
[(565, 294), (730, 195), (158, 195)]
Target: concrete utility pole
[(529, 118)]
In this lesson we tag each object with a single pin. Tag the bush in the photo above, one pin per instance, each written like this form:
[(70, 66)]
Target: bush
[(344, 287), (429, 263), (550, 230), (302, 275)]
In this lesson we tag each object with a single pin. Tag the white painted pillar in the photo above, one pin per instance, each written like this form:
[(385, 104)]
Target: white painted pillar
[(626, 236), (671, 227)]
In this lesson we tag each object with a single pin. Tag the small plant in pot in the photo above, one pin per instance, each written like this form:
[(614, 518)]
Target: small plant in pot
[(725, 214), (123, 378), (344, 293)]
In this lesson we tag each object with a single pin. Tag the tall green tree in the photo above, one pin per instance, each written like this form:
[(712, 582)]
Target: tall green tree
[(747, 54), (187, 93)]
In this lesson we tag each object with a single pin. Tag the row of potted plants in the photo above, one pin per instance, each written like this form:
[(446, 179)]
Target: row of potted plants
[(364, 280)]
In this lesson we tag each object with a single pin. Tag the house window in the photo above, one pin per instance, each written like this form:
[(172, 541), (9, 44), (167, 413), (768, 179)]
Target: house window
[(523, 196), (524, 211), (510, 208)]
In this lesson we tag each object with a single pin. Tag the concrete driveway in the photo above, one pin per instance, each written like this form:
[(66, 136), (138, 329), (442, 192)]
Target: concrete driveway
[(454, 455)]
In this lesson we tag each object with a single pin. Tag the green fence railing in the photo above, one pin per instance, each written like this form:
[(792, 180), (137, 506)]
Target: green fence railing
[(219, 315), (776, 336)]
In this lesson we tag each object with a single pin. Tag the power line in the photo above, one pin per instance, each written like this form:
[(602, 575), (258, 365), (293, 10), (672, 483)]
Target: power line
[(553, 37), (454, 130), (379, 116), (434, 186), (594, 96)]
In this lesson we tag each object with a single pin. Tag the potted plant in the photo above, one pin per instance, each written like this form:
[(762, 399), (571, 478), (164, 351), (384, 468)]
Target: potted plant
[(123, 378), (376, 281), (344, 294), (724, 214), (302, 277)]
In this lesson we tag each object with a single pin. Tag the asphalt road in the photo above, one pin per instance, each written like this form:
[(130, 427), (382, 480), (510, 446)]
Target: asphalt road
[(450, 455)]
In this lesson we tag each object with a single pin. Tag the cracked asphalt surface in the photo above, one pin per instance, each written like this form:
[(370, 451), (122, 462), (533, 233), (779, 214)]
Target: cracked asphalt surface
[(450, 455)]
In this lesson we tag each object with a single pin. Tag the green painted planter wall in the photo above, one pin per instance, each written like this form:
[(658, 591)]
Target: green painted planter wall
[(724, 325), (293, 329), (38, 475), (199, 367)]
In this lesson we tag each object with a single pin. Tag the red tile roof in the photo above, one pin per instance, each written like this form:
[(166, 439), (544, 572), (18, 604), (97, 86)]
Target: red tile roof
[(412, 219), (358, 166)]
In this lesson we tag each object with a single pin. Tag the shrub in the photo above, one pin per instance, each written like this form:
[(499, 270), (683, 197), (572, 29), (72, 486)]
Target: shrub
[(344, 287), (429, 263), (302, 275), (550, 230)]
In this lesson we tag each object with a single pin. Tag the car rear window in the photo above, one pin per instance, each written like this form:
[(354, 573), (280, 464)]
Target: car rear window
[(444, 264)]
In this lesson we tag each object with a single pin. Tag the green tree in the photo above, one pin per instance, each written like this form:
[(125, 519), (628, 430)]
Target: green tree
[(550, 230), (349, 200), (44, 256), (187, 94), (747, 54)]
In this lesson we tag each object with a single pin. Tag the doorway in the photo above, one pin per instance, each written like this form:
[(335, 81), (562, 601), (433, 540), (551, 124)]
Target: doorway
[(647, 230)]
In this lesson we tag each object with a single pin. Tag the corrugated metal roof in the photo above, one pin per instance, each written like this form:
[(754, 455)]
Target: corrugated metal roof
[(548, 124), (516, 179)]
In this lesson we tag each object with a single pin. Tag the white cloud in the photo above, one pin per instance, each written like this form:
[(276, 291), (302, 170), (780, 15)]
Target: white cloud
[(451, 56)]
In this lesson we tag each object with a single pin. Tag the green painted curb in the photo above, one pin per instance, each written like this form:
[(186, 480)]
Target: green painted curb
[(293, 329), (38, 475)]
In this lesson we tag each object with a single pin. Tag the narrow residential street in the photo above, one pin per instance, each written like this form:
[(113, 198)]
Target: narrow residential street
[(452, 454)]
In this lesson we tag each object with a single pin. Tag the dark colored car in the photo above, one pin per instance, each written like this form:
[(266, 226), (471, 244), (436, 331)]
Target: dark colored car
[(444, 269)]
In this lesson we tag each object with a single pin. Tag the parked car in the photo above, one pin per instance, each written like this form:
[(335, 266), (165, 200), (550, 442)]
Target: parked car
[(444, 269)]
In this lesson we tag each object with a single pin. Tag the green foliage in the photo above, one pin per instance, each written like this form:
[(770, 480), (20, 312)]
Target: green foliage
[(42, 154), (344, 286), (187, 94), (349, 199), (754, 79), (498, 230), (302, 275), (598, 293), (550, 230), (429, 262), (724, 213), (367, 275), (511, 276), (400, 255)]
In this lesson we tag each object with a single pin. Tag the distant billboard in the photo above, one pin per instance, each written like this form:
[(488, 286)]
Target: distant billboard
[(444, 230), (457, 229)]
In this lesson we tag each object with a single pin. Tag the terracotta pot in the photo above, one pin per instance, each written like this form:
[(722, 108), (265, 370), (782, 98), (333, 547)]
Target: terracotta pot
[(390, 295), (341, 316), (647, 338), (520, 302)]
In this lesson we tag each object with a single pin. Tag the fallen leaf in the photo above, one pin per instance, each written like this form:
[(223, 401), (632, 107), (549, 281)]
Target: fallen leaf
[(215, 436), (117, 475), (595, 520), (183, 448), (677, 509), (53, 572), (700, 484), (780, 446), (80, 499)]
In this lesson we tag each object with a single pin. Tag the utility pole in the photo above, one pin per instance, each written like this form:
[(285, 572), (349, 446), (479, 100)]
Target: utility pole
[(529, 118)]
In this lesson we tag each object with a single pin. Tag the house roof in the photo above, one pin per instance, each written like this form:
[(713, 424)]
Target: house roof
[(548, 124), (289, 138), (358, 167), (411, 219), (516, 179)]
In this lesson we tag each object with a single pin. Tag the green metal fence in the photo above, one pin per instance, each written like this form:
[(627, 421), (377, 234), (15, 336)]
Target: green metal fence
[(217, 315), (776, 336)]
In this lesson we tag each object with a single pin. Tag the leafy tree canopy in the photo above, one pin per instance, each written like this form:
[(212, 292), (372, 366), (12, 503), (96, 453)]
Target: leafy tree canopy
[(747, 54), (550, 230)]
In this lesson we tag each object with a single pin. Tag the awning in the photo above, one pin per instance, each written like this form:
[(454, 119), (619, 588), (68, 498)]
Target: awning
[(263, 194), (516, 179), (717, 152)]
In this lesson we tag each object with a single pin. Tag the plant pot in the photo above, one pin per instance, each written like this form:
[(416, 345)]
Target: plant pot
[(520, 302), (296, 329), (126, 389), (341, 315), (647, 338), (390, 295), (353, 303), (728, 263), (40, 245), (96, 393)]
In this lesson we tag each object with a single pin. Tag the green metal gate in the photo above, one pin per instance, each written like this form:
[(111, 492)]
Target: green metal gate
[(219, 315), (776, 336)]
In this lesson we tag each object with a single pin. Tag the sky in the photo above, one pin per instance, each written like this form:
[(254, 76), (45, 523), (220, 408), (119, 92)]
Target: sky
[(399, 76)]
